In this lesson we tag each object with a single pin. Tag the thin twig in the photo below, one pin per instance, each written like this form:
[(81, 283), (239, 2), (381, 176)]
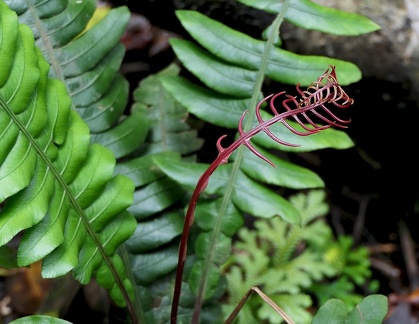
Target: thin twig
[(408, 250), (237, 309)]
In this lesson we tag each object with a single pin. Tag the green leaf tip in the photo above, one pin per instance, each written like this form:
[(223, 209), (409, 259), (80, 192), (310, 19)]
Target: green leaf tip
[(310, 15)]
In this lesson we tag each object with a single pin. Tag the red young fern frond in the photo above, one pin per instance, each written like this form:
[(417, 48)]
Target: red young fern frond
[(317, 99), (322, 93)]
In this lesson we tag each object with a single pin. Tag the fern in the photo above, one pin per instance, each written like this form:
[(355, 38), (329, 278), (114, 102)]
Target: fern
[(290, 262), (56, 187), (97, 90), (231, 68), (353, 268)]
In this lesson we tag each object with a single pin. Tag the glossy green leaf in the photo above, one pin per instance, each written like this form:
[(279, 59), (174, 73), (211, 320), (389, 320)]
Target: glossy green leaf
[(242, 50), (248, 195), (39, 319), (310, 15), (371, 310), (207, 212), (221, 251), (155, 197), (89, 87), (126, 136), (285, 174), (97, 90), (105, 113), (148, 267), (156, 232), (187, 174), (217, 75), (169, 132), (142, 170), (55, 185), (258, 200), (206, 104), (212, 273), (333, 311)]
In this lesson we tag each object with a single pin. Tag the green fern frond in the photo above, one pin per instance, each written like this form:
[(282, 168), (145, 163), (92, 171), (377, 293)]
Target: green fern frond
[(242, 51), (311, 206), (170, 131), (97, 90), (158, 199), (56, 187), (351, 262)]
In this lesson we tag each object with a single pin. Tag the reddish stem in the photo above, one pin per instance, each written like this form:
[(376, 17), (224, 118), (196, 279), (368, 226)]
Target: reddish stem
[(309, 102)]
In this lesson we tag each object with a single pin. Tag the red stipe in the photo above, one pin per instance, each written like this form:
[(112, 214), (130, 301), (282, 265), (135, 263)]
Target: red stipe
[(322, 93)]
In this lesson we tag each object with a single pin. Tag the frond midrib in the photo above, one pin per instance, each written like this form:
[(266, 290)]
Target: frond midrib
[(49, 49)]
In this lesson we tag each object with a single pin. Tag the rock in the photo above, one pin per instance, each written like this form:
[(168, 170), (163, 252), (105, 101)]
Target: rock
[(389, 54)]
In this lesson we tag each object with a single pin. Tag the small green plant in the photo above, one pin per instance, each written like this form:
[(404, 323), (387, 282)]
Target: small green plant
[(352, 269), (372, 310), (292, 264)]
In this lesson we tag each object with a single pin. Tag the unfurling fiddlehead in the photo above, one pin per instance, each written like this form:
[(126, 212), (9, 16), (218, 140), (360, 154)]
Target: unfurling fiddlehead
[(315, 101)]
